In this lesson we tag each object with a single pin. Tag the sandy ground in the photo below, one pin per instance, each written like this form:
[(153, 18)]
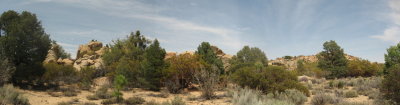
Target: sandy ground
[(43, 98)]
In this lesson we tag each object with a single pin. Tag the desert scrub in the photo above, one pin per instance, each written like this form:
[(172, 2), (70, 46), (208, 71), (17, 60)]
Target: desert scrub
[(350, 94), (248, 96), (101, 93), (8, 95), (337, 84), (291, 95), (175, 101), (324, 99), (134, 101)]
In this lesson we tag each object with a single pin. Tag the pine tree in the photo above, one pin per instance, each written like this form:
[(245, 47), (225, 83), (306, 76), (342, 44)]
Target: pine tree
[(392, 57), (208, 55), (333, 60), (154, 64)]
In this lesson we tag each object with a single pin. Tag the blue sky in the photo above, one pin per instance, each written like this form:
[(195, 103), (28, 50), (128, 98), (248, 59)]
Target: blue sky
[(364, 28)]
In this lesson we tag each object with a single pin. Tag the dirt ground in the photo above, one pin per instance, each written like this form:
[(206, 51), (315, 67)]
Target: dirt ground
[(43, 98)]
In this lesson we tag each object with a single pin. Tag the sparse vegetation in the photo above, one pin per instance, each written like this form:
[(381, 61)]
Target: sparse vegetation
[(8, 96), (134, 101)]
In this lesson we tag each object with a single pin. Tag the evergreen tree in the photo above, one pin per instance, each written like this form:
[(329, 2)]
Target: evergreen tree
[(333, 60), (208, 55), (392, 57), (154, 64), (26, 42)]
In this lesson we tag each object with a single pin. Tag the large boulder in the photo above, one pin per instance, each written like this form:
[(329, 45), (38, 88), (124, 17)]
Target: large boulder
[(89, 55), (51, 56)]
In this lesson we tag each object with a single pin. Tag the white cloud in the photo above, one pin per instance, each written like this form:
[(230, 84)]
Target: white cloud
[(67, 44), (392, 34)]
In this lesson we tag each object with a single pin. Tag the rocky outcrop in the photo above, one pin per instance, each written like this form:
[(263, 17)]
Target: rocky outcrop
[(291, 64), (224, 57), (52, 57), (89, 55)]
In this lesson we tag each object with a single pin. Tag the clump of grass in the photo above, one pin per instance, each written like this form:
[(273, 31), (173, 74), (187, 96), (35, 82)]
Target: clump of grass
[(134, 101), (293, 96), (8, 95), (175, 101), (248, 96), (152, 102), (324, 99), (350, 94), (109, 101)]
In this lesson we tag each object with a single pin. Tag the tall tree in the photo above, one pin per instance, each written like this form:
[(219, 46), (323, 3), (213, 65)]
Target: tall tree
[(26, 42), (392, 57), (333, 60), (208, 55), (154, 64), (249, 57)]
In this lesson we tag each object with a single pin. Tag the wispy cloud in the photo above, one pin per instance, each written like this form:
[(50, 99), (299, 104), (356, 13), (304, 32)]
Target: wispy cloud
[(139, 10), (392, 34)]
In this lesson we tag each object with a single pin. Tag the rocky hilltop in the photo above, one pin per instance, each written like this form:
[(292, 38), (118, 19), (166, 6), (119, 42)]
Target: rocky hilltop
[(89, 55), (291, 62)]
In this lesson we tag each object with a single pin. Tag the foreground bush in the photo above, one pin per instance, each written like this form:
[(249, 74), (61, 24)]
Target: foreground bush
[(248, 96), (134, 101), (180, 73), (268, 80), (293, 96), (324, 99), (9, 96), (56, 73), (391, 85)]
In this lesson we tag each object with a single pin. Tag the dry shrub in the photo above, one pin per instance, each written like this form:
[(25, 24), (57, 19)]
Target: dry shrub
[(350, 94), (134, 101), (8, 96), (324, 99), (207, 80), (248, 96)]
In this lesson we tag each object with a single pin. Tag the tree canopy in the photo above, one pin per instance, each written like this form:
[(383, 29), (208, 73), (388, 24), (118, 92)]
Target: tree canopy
[(26, 42), (333, 60), (208, 55)]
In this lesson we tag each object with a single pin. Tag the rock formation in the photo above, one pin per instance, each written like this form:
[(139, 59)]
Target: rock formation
[(52, 57), (89, 55), (291, 64)]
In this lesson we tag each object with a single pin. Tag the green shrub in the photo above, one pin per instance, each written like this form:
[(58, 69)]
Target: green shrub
[(391, 84), (119, 83), (134, 101), (8, 95), (179, 74), (56, 73), (268, 80), (86, 76), (351, 94)]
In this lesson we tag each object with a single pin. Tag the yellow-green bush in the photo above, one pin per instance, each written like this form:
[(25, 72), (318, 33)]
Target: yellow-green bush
[(268, 80), (59, 73)]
